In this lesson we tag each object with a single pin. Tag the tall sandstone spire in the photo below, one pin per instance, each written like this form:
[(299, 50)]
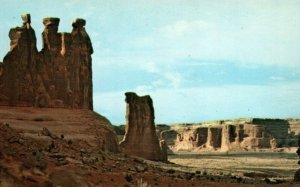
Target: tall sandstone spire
[(140, 137)]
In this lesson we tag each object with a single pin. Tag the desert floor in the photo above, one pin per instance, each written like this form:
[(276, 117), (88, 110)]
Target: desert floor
[(244, 164)]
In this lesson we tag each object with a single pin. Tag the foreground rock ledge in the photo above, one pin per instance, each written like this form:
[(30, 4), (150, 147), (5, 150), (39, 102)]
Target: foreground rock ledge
[(75, 125), (140, 138)]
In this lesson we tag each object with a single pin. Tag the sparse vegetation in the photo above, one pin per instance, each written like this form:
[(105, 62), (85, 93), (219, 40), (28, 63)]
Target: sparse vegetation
[(171, 171), (238, 164), (128, 178)]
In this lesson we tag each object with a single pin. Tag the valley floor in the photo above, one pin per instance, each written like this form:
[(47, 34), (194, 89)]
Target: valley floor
[(272, 165)]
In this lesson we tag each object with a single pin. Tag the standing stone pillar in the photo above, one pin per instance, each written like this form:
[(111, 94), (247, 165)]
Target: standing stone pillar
[(17, 85), (81, 65), (140, 137)]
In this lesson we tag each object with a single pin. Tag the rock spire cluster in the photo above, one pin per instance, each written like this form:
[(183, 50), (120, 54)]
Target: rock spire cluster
[(60, 75)]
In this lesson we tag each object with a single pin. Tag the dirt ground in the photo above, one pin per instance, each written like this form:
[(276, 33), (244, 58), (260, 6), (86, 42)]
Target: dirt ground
[(271, 165)]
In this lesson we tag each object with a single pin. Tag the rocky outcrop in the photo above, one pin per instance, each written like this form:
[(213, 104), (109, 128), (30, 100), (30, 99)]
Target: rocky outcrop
[(83, 127), (60, 75), (214, 138), (140, 137), (297, 173), (233, 135)]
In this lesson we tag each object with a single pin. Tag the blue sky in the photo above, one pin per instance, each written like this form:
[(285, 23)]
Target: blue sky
[(199, 60)]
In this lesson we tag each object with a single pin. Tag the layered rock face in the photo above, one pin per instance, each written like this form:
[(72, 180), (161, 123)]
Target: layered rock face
[(140, 137), (244, 134), (58, 76)]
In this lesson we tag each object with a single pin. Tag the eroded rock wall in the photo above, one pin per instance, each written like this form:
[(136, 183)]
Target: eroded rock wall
[(214, 138), (60, 75), (233, 135), (140, 137)]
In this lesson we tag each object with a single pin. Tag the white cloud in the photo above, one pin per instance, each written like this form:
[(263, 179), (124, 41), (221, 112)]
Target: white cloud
[(277, 78), (264, 38), (168, 77), (174, 78), (184, 27)]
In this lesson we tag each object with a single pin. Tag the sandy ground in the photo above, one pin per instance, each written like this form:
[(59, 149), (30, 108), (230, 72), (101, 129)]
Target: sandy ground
[(259, 164)]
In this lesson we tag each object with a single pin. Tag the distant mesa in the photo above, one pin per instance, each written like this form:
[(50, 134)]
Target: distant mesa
[(140, 135), (58, 76), (232, 135)]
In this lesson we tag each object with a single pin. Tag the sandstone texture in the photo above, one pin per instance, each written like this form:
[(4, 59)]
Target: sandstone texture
[(140, 137), (58, 76), (232, 135)]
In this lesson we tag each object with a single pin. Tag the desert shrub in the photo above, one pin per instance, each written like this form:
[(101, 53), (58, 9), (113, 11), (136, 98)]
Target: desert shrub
[(189, 176), (267, 180), (128, 178), (239, 179), (198, 172), (171, 171)]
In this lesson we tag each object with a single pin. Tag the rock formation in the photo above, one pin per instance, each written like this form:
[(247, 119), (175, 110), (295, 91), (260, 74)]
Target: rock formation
[(60, 75), (140, 137), (297, 173), (214, 136), (232, 135)]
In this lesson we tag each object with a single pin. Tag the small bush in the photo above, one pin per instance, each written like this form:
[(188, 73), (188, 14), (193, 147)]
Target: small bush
[(128, 178), (171, 171)]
